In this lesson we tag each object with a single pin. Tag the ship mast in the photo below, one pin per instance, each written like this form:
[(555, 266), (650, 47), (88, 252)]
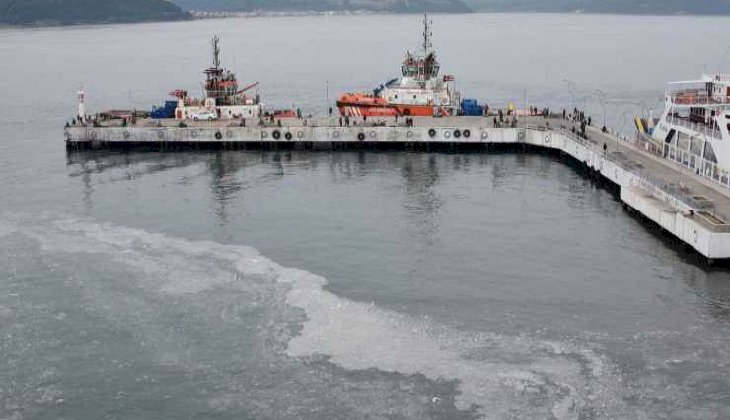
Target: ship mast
[(216, 52), (427, 34)]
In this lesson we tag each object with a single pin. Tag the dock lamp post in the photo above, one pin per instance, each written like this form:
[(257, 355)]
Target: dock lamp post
[(602, 100), (724, 58), (624, 120), (571, 89)]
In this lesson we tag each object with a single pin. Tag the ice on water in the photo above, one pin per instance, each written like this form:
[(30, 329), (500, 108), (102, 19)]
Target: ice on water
[(498, 375)]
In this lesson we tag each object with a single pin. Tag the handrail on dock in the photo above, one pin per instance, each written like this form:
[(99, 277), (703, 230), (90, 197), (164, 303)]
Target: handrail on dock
[(671, 190)]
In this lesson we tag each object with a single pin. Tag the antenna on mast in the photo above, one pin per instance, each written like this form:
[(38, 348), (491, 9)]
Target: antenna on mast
[(427, 44), (216, 52)]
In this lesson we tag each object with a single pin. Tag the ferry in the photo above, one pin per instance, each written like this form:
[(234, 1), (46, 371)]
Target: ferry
[(419, 92), (694, 129)]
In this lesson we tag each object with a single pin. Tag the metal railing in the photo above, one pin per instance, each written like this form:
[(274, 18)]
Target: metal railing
[(697, 98), (677, 193), (699, 128)]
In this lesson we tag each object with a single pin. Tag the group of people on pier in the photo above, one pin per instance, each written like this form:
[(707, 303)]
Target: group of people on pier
[(578, 117)]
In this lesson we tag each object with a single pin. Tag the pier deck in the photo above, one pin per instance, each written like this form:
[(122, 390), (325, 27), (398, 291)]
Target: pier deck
[(671, 174), (691, 207)]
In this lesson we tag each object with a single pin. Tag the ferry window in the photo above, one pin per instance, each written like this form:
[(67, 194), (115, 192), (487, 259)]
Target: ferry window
[(696, 146), (414, 96), (710, 153)]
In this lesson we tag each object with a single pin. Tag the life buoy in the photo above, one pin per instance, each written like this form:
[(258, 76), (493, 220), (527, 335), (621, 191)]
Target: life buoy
[(444, 101), (335, 134), (218, 135), (193, 134), (409, 134), (457, 134), (547, 139), (229, 134), (276, 134), (361, 136), (288, 136), (432, 133), (264, 134), (447, 134), (373, 134), (484, 135), (92, 135), (300, 134), (467, 133)]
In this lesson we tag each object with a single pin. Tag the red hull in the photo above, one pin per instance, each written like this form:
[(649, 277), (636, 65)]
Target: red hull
[(365, 105), (360, 110)]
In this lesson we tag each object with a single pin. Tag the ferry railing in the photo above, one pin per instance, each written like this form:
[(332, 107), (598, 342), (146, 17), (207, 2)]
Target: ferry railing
[(690, 98), (702, 129)]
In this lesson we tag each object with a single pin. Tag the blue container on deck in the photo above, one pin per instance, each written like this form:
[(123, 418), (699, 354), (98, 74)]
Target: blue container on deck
[(166, 111), (471, 108)]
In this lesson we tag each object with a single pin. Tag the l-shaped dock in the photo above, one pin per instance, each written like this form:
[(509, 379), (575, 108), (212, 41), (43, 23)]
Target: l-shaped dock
[(693, 208)]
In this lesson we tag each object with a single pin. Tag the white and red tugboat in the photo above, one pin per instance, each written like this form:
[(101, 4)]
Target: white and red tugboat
[(223, 98), (419, 92)]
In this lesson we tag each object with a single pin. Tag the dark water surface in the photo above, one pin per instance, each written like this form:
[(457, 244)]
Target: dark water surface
[(296, 285)]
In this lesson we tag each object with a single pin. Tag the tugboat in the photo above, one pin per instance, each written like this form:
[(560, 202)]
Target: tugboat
[(419, 92), (694, 130), (223, 99)]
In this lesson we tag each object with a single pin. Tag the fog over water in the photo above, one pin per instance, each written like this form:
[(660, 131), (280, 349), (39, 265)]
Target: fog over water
[(347, 285)]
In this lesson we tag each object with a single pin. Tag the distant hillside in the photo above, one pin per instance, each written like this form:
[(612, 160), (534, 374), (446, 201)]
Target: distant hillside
[(657, 7), (396, 6), (66, 12)]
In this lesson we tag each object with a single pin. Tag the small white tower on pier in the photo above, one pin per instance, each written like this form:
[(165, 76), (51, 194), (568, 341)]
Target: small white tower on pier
[(82, 107)]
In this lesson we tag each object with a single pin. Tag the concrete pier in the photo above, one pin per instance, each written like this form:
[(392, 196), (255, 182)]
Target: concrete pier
[(692, 208)]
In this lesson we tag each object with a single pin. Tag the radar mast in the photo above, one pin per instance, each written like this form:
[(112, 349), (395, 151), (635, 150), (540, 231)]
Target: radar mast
[(427, 35), (216, 52)]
